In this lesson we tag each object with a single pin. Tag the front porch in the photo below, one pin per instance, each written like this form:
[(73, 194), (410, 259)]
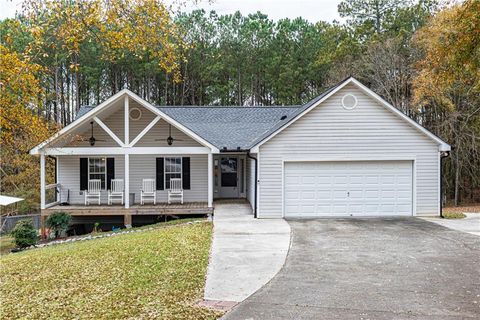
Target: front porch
[(159, 209), (177, 209)]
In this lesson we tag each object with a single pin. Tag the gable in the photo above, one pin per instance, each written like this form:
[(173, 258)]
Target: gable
[(109, 126), (353, 84), (331, 127)]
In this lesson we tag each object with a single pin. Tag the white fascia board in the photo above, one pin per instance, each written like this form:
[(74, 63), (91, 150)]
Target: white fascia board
[(173, 122), (79, 121), (443, 146), (106, 151)]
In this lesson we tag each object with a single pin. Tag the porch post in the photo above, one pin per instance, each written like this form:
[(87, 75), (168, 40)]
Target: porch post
[(127, 180), (127, 156), (42, 181), (127, 121), (210, 180)]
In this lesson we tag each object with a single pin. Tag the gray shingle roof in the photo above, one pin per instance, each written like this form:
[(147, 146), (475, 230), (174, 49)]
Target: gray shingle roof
[(230, 127), (233, 127)]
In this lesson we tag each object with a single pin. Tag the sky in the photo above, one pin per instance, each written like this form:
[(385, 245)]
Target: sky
[(312, 10)]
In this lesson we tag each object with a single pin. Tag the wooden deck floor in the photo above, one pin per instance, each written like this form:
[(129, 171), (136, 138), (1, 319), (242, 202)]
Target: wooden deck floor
[(148, 209)]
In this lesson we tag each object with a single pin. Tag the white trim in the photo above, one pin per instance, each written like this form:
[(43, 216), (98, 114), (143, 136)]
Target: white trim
[(144, 131), (130, 114), (42, 181), (173, 122), (125, 150), (358, 158), (127, 180), (107, 103), (257, 195), (443, 146), (105, 174), (79, 121), (439, 180), (354, 104), (170, 172), (126, 106), (107, 130), (210, 180)]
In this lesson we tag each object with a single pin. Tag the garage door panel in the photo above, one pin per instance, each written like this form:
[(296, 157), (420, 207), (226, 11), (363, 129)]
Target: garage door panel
[(348, 188)]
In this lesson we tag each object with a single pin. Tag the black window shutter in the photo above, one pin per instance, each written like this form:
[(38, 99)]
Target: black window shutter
[(186, 173), (159, 177), (110, 171), (83, 173)]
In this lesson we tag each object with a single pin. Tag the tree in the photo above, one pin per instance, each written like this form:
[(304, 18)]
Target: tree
[(447, 87), (21, 122)]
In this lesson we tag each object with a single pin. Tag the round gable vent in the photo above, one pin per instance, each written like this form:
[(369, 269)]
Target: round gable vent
[(135, 114), (349, 101)]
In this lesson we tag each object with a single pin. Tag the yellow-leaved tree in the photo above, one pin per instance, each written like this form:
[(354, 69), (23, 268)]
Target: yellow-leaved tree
[(447, 87), (21, 126)]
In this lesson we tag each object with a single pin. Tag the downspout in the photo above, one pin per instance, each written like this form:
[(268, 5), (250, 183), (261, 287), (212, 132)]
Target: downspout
[(442, 156), (256, 179)]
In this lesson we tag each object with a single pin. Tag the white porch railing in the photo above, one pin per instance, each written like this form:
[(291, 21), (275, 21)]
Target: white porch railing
[(54, 197)]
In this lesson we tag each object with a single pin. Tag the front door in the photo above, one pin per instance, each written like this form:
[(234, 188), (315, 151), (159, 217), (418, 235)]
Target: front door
[(229, 177)]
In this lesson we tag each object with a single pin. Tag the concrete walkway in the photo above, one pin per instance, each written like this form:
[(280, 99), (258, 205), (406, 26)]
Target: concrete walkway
[(246, 252), (470, 224)]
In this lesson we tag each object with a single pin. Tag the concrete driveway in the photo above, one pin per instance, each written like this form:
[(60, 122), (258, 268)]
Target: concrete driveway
[(372, 269), (246, 253)]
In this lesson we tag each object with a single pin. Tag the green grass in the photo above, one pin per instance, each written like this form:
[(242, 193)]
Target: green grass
[(6, 244), (157, 274), (453, 215)]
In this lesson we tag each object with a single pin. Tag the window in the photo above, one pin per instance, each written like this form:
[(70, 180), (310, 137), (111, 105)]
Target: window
[(97, 170), (173, 169)]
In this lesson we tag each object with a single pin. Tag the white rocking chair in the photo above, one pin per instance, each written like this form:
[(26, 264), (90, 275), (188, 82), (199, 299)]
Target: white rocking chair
[(176, 191), (93, 192), (148, 191), (116, 191)]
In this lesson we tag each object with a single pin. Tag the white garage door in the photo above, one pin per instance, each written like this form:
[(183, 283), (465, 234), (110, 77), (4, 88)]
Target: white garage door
[(357, 188)]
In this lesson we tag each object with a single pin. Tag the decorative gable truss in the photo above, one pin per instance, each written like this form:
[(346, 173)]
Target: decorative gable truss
[(55, 146)]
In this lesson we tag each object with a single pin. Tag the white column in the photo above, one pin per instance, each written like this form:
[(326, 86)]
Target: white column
[(210, 180), (127, 121), (127, 180), (42, 181)]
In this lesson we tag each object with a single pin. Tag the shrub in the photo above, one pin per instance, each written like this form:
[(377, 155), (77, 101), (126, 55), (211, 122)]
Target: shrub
[(58, 222), (24, 233), (453, 215)]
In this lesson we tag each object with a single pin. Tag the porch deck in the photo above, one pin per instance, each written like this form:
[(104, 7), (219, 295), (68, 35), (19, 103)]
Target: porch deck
[(187, 208)]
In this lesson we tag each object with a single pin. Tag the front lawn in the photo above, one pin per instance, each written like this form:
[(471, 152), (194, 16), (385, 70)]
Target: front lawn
[(151, 274), (6, 244)]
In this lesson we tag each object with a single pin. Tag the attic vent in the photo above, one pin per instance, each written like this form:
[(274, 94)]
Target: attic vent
[(283, 117), (135, 114), (349, 101)]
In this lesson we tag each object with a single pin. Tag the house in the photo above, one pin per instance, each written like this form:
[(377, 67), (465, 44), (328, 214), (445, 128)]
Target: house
[(345, 153)]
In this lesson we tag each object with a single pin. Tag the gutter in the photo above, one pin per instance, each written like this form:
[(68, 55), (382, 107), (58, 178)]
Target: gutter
[(443, 154)]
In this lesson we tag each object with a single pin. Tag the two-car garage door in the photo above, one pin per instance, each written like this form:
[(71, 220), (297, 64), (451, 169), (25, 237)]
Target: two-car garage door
[(348, 188)]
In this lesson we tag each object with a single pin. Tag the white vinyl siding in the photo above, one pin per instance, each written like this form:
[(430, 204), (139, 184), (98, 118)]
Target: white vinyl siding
[(330, 132), (68, 169), (141, 167)]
